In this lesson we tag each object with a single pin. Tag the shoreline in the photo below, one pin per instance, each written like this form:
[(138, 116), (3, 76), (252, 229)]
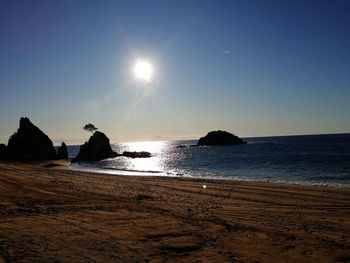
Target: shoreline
[(115, 172), (55, 213)]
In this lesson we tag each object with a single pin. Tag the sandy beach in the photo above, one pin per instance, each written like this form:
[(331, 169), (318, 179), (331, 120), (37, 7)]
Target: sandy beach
[(53, 214)]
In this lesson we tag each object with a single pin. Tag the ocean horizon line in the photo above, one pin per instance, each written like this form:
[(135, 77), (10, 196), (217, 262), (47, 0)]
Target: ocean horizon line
[(194, 139)]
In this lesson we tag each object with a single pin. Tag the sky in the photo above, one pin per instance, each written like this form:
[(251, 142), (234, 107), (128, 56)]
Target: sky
[(253, 68)]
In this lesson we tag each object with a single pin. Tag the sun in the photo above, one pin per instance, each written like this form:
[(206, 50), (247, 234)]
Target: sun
[(143, 70)]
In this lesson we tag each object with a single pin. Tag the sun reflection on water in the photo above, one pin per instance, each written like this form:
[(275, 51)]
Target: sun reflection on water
[(164, 161), (153, 164), (154, 147)]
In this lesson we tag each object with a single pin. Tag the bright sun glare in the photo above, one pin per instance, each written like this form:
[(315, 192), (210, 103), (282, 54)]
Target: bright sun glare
[(143, 70)]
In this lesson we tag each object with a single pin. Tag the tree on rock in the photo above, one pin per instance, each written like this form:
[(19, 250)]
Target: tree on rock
[(90, 127), (95, 149)]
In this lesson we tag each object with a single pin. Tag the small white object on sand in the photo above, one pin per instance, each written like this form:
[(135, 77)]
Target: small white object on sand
[(204, 186)]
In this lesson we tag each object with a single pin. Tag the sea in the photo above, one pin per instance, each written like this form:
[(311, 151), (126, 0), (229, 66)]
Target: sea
[(322, 160)]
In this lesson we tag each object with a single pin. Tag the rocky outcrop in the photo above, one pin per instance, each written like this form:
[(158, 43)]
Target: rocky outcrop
[(62, 152), (142, 154), (220, 138), (99, 148), (96, 149), (3, 152), (30, 143)]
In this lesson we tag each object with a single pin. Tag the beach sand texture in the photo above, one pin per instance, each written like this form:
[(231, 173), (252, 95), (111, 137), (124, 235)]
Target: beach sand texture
[(54, 214)]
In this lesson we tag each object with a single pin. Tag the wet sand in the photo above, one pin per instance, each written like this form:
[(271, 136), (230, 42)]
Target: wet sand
[(49, 213)]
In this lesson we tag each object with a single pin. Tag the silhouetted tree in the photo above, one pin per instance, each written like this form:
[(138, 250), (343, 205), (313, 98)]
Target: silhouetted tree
[(90, 127)]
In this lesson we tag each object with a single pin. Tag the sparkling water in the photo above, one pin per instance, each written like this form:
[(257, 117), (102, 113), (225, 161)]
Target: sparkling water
[(309, 159)]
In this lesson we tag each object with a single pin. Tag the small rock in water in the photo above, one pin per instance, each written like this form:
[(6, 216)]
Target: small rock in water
[(142, 154)]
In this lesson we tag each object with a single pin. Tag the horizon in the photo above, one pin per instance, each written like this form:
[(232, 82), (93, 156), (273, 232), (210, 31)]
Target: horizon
[(159, 70), (197, 138), (57, 143)]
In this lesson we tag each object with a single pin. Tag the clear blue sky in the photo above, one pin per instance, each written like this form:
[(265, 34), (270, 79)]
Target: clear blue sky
[(253, 68)]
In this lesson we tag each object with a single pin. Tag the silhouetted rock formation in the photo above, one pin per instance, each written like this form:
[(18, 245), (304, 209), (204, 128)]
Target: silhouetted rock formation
[(30, 143), (96, 149), (62, 152), (137, 154), (3, 152), (220, 138)]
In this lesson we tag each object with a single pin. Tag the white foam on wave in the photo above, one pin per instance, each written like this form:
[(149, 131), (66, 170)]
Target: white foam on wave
[(205, 175)]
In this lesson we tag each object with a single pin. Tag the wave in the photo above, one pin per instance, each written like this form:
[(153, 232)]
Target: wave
[(131, 170), (305, 160), (113, 171)]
